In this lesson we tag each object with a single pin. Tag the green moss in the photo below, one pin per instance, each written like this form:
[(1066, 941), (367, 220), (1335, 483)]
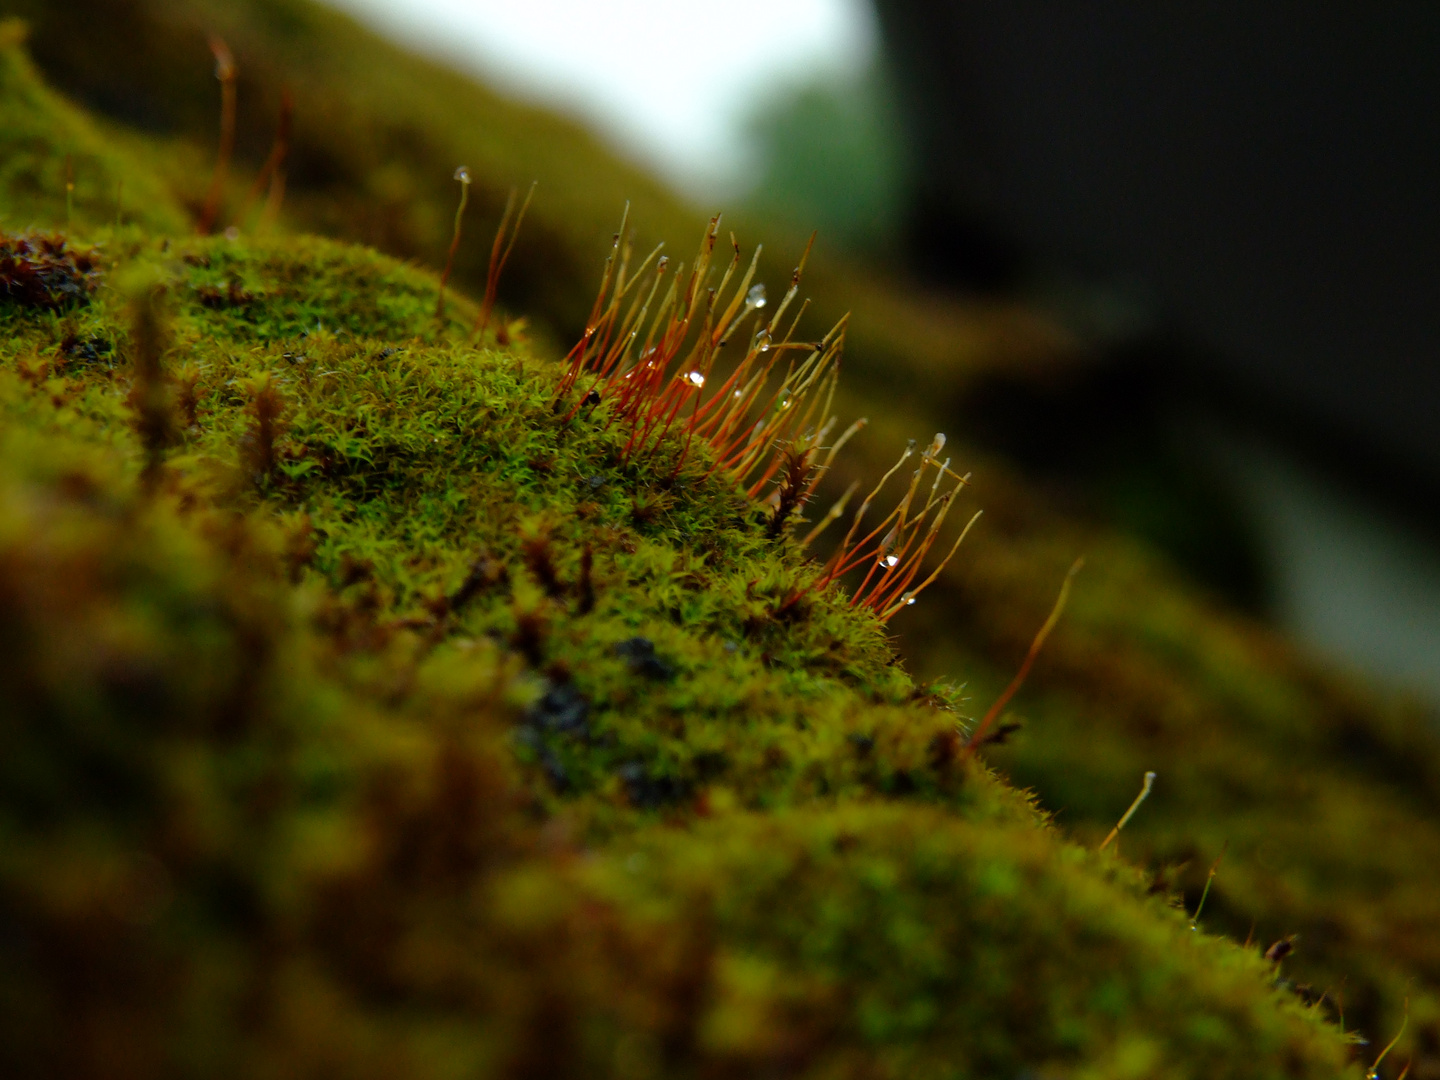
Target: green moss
[(965, 949), (410, 463), (326, 763), (241, 726)]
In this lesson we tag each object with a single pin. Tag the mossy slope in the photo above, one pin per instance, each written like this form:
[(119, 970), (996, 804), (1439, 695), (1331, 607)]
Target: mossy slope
[(273, 826), (1254, 744), (330, 756), (1320, 794)]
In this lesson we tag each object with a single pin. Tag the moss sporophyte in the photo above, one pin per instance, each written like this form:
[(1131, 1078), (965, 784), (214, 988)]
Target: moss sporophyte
[(388, 699), (765, 418)]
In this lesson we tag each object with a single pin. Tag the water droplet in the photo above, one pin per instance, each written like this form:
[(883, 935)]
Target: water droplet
[(663, 264), (909, 600), (755, 298), (762, 341), (890, 560), (696, 379), (462, 174)]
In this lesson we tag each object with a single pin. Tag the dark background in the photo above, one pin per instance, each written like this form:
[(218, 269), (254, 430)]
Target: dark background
[(1234, 205)]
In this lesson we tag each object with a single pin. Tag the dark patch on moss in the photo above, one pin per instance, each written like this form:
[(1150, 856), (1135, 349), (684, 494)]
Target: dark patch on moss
[(649, 790), (561, 710), (94, 349), (641, 657), (44, 273), (234, 295)]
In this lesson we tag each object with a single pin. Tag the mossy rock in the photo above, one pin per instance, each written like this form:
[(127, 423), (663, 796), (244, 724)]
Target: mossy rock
[(371, 717), (417, 703), (283, 796)]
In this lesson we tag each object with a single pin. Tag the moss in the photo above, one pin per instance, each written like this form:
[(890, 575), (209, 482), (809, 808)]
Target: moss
[(1320, 794), (270, 809), (963, 948), (410, 462), (1144, 678), (335, 758)]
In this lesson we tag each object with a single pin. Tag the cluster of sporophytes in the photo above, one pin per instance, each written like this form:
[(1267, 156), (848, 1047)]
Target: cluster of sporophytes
[(765, 434), (375, 716)]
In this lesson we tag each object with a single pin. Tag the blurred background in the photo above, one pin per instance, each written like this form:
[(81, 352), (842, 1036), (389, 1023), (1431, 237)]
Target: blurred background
[(1230, 207)]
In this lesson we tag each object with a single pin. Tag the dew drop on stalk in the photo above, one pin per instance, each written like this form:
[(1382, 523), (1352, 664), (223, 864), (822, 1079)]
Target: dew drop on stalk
[(462, 174), (695, 379), (755, 298), (889, 560)]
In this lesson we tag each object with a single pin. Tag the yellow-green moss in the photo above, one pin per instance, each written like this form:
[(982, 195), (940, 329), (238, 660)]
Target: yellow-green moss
[(381, 943), (1321, 795), (276, 813)]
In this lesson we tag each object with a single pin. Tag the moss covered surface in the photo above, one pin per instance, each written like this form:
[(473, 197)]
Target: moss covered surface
[(1320, 795), (327, 759), (330, 701), (369, 718)]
